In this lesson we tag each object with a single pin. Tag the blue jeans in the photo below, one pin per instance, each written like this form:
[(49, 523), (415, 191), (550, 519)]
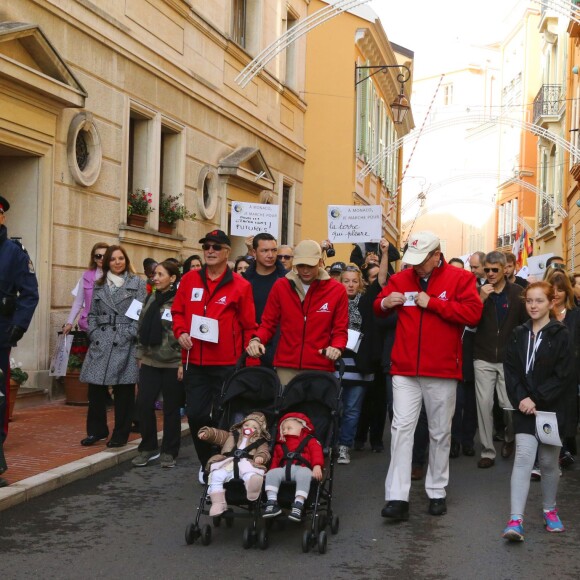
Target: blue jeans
[(352, 400)]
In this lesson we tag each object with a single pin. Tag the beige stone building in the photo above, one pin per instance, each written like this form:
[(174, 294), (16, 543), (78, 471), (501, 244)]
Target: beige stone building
[(101, 98)]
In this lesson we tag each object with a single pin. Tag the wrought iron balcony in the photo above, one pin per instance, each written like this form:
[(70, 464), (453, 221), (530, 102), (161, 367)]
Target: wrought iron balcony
[(547, 102)]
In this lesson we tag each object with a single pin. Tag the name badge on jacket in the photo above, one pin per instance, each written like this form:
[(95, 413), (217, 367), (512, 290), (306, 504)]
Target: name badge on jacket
[(196, 294), (204, 328)]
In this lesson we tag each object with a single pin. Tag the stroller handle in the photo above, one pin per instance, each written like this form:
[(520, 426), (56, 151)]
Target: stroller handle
[(340, 367), (242, 360)]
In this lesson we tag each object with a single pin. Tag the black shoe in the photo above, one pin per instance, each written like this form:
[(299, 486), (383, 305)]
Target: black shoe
[(468, 450), (454, 450), (437, 506), (91, 440), (396, 510), (271, 510), (113, 444), (296, 512), (377, 448)]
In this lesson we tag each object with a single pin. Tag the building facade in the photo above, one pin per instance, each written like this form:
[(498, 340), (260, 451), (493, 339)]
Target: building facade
[(349, 122), (101, 99)]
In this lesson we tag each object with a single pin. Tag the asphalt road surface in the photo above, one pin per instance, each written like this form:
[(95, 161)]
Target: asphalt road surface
[(130, 523)]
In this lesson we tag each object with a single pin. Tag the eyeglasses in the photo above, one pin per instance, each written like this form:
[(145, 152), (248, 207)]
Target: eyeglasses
[(557, 266), (284, 257), (494, 270), (99, 256), (351, 269), (216, 247)]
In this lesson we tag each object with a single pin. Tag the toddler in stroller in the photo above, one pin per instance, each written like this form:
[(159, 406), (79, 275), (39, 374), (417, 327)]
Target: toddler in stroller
[(244, 455), (297, 457)]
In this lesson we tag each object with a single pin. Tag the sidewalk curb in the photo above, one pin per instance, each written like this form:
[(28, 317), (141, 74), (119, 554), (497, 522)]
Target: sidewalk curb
[(52, 479)]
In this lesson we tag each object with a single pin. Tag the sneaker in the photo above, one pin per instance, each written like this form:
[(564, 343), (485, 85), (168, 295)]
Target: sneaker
[(296, 512), (272, 509), (167, 460), (514, 531), (536, 473), (566, 459), (552, 521), (343, 455), (144, 458), (201, 476)]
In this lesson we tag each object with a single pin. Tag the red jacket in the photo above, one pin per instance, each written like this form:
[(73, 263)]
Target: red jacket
[(231, 303), (428, 340), (313, 450), (305, 327)]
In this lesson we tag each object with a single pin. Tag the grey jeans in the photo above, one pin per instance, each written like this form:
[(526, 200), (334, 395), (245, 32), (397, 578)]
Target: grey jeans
[(301, 475)]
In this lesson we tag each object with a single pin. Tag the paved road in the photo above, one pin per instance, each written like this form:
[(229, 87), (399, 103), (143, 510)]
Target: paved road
[(129, 523)]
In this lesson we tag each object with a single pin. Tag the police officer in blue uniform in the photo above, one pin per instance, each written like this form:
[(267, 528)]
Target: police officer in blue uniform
[(18, 300)]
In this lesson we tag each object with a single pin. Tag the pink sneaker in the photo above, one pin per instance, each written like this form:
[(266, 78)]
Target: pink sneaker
[(552, 521)]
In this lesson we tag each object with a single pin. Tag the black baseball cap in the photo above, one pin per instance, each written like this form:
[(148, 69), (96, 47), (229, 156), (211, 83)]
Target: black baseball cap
[(338, 267), (217, 236), (4, 205)]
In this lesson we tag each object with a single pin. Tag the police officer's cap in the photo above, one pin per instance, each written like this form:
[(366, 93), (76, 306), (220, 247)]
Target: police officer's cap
[(4, 205)]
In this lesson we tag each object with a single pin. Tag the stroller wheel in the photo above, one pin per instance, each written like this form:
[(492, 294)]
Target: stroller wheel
[(263, 540), (322, 538), (306, 541), (217, 522), (334, 525), (247, 538), (191, 534), (206, 535)]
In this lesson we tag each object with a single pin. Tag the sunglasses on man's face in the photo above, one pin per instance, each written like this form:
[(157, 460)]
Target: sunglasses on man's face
[(284, 257), (215, 247), (488, 270), (99, 256)]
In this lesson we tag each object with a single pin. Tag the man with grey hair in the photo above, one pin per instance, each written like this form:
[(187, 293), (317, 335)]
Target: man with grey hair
[(503, 310)]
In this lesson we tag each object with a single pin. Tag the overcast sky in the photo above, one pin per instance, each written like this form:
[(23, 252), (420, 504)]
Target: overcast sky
[(440, 32)]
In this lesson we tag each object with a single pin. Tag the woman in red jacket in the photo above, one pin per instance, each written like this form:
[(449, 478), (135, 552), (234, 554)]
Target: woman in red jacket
[(312, 311)]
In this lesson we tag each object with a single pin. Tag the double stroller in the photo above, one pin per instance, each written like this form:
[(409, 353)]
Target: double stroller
[(315, 394)]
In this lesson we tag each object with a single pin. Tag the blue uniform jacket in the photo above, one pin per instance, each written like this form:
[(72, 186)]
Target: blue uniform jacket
[(18, 280)]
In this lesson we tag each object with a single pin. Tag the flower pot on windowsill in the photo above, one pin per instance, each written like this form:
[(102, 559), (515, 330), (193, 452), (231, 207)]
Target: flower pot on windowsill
[(76, 393), (136, 220), (166, 227)]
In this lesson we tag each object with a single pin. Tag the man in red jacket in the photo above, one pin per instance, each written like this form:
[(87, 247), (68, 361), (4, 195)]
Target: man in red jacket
[(213, 317), (312, 311), (434, 303)]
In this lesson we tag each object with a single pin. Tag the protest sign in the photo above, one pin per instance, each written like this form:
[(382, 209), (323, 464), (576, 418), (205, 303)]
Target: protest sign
[(249, 219), (354, 223)]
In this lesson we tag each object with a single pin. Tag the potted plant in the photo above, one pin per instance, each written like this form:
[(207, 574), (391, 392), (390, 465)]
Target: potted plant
[(139, 206), (76, 393), (170, 211), (17, 377)]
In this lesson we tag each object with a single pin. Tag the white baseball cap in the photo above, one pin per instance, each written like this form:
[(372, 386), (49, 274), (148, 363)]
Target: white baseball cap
[(419, 246)]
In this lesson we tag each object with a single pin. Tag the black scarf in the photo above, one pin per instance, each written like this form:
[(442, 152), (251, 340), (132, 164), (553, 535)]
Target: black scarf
[(151, 329)]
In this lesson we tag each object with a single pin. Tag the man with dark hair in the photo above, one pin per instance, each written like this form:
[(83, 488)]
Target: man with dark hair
[(262, 274), (503, 310), (213, 317), (510, 271), (554, 263), (18, 300)]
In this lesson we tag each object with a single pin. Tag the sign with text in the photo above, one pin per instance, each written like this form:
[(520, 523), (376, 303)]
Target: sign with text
[(249, 219), (354, 223)]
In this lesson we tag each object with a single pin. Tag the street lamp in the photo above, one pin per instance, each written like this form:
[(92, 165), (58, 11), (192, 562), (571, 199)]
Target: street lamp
[(400, 106)]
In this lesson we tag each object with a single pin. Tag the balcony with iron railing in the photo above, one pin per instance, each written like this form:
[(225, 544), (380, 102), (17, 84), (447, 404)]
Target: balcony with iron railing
[(547, 103)]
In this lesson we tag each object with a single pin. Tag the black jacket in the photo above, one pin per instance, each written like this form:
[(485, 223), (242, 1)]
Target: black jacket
[(550, 381), (491, 337)]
